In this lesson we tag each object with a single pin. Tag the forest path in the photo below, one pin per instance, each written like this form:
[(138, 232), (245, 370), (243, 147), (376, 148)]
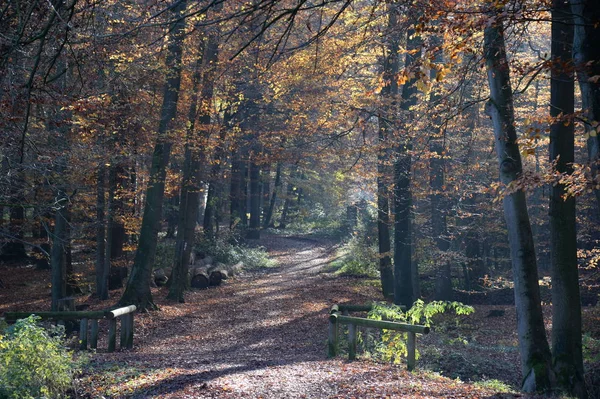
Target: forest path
[(262, 335)]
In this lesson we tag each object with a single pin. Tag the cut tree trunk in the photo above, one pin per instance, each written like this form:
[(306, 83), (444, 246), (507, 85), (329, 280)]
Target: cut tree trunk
[(200, 278)]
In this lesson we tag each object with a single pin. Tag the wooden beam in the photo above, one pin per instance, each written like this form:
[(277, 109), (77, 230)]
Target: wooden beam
[(386, 325), (113, 314), (13, 316)]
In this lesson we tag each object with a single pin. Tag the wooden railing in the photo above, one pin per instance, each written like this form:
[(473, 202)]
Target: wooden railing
[(339, 315), (90, 320)]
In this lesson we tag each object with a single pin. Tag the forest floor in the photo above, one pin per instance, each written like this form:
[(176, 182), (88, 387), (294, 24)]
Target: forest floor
[(263, 335)]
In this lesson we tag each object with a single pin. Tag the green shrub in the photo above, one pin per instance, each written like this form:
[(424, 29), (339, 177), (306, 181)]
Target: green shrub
[(165, 254), (357, 257), (390, 346), (228, 249), (33, 362)]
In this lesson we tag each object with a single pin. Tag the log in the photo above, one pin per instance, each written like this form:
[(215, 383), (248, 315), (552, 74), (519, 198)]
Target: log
[(113, 314), (217, 276), (200, 278), (231, 270), (208, 260)]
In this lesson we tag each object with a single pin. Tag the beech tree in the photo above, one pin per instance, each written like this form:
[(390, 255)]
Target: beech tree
[(567, 358), (138, 286), (536, 365)]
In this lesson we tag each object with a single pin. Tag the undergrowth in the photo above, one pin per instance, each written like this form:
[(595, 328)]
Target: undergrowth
[(34, 363), (389, 345), (229, 249)]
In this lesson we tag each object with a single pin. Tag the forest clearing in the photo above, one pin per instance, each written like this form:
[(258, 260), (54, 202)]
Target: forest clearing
[(234, 198)]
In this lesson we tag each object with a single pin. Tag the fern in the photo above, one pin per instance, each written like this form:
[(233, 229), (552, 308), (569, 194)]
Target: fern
[(391, 347)]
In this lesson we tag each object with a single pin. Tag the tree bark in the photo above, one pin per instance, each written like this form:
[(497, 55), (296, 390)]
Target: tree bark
[(404, 293), (215, 186), (138, 291), (567, 355), (58, 257), (586, 53), (387, 117), (101, 276), (273, 200), (533, 346), (192, 184)]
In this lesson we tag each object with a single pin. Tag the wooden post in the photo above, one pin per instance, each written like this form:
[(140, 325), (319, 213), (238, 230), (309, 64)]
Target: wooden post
[(411, 346), (130, 331), (333, 335), (124, 331), (352, 341), (112, 335), (83, 330), (94, 334)]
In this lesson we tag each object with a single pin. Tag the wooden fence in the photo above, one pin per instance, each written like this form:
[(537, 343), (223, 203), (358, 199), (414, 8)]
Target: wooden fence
[(339, 315), (90, 320)]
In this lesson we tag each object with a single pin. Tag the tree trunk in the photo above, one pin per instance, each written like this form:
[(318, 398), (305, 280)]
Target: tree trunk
[(437, 182), (387, 117), (567, 357), (191, 185), (288, 198), (533, 346), (586, 53), (265, 188), (58, 258), (269, 213), (403, 279), (254, 227), (138, 291), (101, 276), (215, 186)]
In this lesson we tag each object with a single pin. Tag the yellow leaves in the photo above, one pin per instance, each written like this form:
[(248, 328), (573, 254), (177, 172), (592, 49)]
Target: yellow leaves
[(423, 86), (403, 78), (441, 73)]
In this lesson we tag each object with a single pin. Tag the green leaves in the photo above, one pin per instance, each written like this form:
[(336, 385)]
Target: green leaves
[(392, 344), (33, 362)]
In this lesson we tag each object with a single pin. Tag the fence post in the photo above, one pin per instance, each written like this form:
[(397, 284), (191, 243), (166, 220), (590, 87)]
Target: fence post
[(130, 331), (333, 335), (124, 331), (112, 335), (83, 330), (352, 341), (94, 334), (411, 346)]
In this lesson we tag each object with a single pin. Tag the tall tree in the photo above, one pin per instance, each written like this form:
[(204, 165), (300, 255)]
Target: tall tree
[(387, 122), (567, 357), (404, 292), (195, 147), (138, 286), (535, 353), (586, 53)]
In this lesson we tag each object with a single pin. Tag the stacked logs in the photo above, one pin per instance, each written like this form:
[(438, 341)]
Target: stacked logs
[(206, 274)]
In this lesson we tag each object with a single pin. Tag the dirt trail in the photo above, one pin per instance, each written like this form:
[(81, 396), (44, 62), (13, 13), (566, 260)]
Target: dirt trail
[(262, 335)]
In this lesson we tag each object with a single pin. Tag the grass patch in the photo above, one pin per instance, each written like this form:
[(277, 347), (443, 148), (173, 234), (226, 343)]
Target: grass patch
[(496, 386)]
